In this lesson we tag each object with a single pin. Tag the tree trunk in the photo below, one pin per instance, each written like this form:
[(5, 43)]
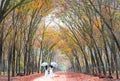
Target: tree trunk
[(1, 52), (101, 61), (9, 62), (78, 63), (19, 63), (93, 61), (97, 60), (25, 60), (13, 61), (39, 63), (1, 46), (107, 56), (115, 60)]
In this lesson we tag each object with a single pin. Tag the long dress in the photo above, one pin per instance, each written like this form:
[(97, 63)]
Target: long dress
[(51, 71), (46, 71)]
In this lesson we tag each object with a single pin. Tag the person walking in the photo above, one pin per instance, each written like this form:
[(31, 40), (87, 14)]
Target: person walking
[(51, 71), (52, 66), (46, 71), (45, 65)]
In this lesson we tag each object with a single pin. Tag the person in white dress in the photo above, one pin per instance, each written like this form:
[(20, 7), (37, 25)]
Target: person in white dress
[(46, 71), (51, 71)]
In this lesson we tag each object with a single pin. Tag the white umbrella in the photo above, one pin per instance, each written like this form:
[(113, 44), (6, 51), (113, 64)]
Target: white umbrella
[(54, 64), (44, 64)]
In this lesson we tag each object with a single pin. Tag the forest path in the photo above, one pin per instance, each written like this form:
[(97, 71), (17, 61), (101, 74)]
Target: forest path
[(69, 76)]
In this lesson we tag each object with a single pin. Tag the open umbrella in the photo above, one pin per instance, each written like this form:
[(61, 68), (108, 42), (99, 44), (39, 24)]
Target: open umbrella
[(44, 64), (54, 64)]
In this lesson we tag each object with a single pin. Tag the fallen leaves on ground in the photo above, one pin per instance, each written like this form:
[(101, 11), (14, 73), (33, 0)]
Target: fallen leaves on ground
[(59, 76), (20, 78)]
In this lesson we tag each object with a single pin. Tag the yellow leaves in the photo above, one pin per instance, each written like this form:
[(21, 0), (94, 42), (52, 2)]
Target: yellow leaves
[(16, 10), (48, 2), (62, 1), (46, 12), (49, 38), (62, 45), (51, 34), (44, 6), (68, 49), (85, 18), (47, 7), (35, 4), (97, 23)]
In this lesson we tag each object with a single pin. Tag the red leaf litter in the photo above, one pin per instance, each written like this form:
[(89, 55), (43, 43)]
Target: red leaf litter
[(58, 76), (21, 78)]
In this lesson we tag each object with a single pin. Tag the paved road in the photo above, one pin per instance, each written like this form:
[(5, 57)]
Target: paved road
[(68, 76)]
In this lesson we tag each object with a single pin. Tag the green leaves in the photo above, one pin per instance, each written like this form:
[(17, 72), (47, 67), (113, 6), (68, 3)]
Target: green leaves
[(63, 20)]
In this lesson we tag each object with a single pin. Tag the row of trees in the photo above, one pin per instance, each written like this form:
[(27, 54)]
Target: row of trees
[(23, 36), (94, 28), (90, 40)]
